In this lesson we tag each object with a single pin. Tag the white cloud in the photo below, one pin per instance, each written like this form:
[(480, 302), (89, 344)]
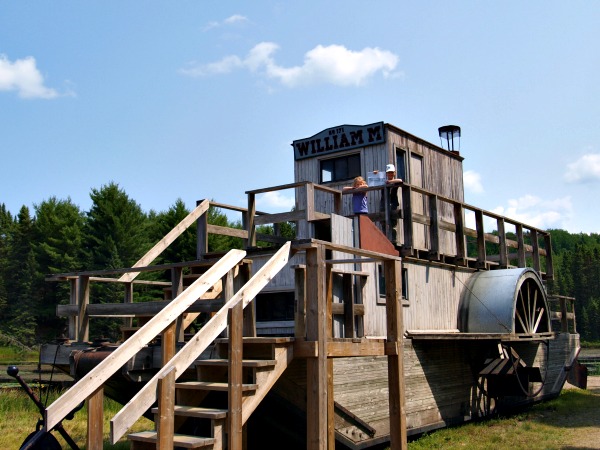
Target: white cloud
[(274, 200), (585, 169), (472, 182), (231, 20), (534, 211), (23, 76), (236, 18), (333, 64)]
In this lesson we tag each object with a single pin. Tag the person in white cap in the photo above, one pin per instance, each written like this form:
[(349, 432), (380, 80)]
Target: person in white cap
[(390, 174)]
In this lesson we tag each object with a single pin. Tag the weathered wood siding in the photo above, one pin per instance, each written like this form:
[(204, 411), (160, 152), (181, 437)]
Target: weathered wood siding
[(430, 167), (433, 297)]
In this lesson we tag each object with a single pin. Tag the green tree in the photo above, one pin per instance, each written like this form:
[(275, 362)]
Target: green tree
[(21, 269), (58, 233), (184, 247), (6, 226), (115, 236)]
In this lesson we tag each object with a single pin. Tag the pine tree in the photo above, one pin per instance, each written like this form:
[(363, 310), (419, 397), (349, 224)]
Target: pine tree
[(21, 269), (58, 236)]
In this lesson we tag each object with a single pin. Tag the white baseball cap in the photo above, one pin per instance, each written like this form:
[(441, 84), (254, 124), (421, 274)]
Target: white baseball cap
[(390, 168)]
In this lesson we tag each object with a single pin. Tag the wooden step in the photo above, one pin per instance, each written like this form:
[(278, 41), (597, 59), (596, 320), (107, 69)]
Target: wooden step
[(245, 362), (179, 440), (198, 412), (212, 386)]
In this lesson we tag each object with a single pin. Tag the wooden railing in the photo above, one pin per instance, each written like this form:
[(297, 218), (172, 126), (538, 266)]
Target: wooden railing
[(563, 310), (90, 386), (460, 245), (180, 361)]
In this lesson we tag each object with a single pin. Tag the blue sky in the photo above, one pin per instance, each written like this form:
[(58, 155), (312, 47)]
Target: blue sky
[(202, 99)]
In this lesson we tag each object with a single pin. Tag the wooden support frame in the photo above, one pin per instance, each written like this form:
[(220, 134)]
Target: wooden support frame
[(459, 235), (395, 331), (95, 420), (74, 301), (235, 424), (316, 330), (198, 343), (503, 250), (97, 376), (165, 423), (83, 291)]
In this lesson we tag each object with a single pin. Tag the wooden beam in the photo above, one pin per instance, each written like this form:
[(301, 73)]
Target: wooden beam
[(161, 245), (395, 332), (105, 369), (166, 409), (83, 333), (235, 425), (299, 302), (95, 421), (130, 413), (316, 331), (251, 220), (502, 248)]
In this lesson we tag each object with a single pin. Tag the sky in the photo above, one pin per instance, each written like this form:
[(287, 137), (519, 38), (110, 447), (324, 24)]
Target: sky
[(199, 99)]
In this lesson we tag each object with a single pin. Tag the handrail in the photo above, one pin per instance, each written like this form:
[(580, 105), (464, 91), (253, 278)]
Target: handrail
[(93, 380), (197, 344), (161, 245)]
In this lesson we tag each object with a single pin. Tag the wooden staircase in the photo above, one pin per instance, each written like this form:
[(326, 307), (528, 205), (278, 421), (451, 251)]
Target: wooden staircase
[(201, 410)]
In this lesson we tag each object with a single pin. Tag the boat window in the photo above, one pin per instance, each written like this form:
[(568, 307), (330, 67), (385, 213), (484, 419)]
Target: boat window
[(401, 165), (339, 169), (381, 284)]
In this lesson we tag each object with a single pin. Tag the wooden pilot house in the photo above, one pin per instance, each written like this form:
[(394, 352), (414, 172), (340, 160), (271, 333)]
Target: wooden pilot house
[(361, 331)]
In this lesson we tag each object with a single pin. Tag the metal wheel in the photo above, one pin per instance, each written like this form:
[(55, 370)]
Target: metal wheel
[(531, 316)]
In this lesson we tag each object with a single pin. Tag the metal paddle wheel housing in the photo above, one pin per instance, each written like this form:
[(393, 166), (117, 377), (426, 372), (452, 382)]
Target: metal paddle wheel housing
[(512, 304), (506, 301)]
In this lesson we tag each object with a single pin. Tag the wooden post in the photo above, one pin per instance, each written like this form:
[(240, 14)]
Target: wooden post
[(95, 438), (564, 320), (235, 435), (395, 331), (502, 248), (459, 234), (535, 246), (434, 229), (549, 264), (338, 203), (73, 300), (176, 289), (408, 244), (128, 321), (520, 244), (166, 410), (251, 214), (310, 201), (300, 302), (481, 255), (249, 312), (348, 296), (83, 333), (201, 234), (316, 368), (328, 361)]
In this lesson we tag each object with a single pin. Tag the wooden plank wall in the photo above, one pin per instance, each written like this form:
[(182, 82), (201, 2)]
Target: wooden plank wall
[(438, 387), (433, 295), (433, 299)]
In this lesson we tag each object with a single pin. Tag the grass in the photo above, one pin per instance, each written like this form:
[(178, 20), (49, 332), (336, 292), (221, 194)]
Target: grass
[(556, 424), (20, 415), (10, 355)]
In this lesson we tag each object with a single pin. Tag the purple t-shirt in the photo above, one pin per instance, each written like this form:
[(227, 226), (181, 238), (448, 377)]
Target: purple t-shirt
[(359, 203)]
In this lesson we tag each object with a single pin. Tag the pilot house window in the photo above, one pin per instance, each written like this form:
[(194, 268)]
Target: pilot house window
[(340, 169)]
